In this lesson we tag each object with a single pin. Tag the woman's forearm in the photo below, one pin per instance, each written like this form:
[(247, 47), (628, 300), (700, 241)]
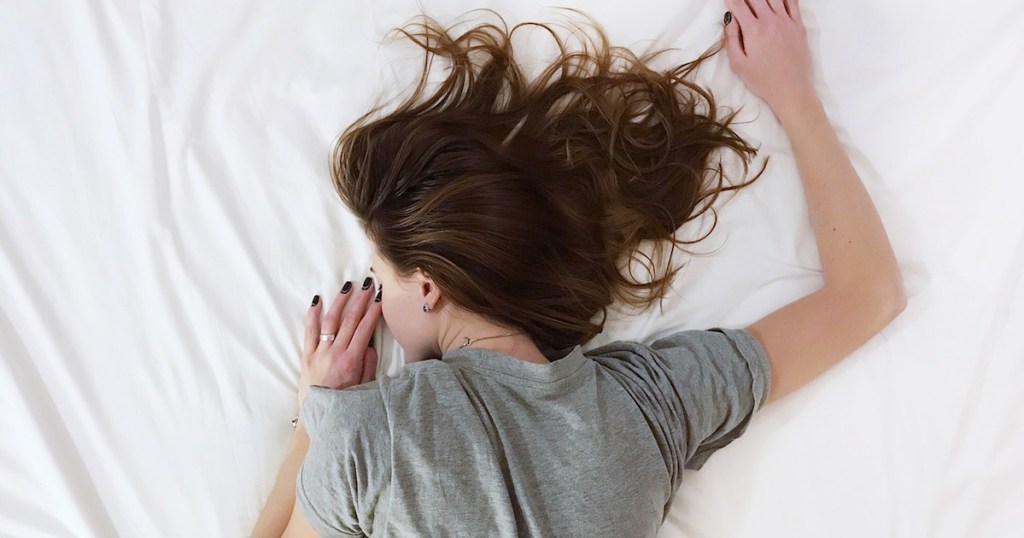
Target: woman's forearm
[(855, 252), (277, 511)]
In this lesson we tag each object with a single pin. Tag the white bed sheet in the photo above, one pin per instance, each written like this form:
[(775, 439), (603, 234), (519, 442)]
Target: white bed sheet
[(166, 217)]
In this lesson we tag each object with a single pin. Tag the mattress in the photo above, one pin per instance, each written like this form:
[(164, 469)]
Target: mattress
[(166, 215)]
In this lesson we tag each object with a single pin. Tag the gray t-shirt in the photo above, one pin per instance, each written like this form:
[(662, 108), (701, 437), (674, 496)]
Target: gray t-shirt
[(483, 444)]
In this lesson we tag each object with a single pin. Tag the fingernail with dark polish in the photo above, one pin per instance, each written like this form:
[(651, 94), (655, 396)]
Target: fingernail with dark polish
[(728, 17), (377, 298), (371, 342), (367, 282), (347, 286), (316, 299)]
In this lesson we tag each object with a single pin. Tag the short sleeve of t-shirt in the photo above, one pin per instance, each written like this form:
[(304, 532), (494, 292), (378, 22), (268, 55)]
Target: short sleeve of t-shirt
[(344, 480), (698, 389)]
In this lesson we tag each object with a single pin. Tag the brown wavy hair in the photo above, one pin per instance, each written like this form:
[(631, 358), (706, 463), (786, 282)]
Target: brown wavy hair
[(522, 196)]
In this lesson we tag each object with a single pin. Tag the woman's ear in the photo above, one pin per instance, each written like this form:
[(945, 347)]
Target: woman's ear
[(429, 290)]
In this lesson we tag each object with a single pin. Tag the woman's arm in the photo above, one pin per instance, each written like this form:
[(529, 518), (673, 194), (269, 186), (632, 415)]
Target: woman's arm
[(345, 360), (852, 243), (276, 512), (863, 289)]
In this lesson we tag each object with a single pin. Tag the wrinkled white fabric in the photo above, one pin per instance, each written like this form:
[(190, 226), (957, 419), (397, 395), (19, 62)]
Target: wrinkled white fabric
[(166, 217)]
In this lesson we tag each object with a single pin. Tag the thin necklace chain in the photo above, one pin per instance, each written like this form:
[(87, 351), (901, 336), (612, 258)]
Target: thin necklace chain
[(467, 340)]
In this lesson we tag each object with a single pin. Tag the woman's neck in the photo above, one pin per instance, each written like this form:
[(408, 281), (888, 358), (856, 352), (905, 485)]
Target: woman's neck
[(518, 345)]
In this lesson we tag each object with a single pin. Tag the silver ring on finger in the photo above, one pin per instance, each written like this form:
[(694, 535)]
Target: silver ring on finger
[(326, 337)]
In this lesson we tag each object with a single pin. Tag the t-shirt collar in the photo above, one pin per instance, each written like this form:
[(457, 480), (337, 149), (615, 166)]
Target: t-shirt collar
[(565, 362)]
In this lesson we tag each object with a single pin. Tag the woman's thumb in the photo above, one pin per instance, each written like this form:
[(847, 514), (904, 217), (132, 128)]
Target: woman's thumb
[(733, 44), (369, 365)]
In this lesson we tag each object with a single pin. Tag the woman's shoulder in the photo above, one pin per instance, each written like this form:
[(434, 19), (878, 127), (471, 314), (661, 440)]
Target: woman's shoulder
[(678, 338), (350, 407), (698, 347), (371, 400)]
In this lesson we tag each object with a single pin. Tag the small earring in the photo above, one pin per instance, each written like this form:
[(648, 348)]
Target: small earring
[(426, 308)]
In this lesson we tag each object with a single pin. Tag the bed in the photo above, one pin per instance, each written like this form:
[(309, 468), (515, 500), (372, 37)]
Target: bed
[(166, 217)]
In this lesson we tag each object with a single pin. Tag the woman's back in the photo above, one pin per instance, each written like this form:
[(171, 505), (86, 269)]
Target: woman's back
[(502, 209), (480, 443)]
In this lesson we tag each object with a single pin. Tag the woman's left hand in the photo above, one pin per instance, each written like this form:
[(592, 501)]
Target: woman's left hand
[(767, 46), (348, 359)]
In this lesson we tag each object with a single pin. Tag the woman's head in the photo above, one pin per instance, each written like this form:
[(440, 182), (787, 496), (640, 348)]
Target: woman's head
[(517, 200), (403, 307)]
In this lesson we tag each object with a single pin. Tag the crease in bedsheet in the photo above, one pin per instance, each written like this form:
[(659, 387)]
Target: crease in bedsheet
[(155, 240), (50, 421), (962, 471), (161, 205)]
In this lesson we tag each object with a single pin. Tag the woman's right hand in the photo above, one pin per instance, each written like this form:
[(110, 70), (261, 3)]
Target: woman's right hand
[(767, 47), (348, 358)]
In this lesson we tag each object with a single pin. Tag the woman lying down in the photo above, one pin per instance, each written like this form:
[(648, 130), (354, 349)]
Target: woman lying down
[(500, 207)]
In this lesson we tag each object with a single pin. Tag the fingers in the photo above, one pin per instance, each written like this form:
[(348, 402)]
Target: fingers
[(750, 16), (364, 331), (761, 8), (312, 327), (755, 8), (369, 366), (355, 314), (793, 9), (733, 41), (781, 8), (333, 317), (363, 367), (741, 12)]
